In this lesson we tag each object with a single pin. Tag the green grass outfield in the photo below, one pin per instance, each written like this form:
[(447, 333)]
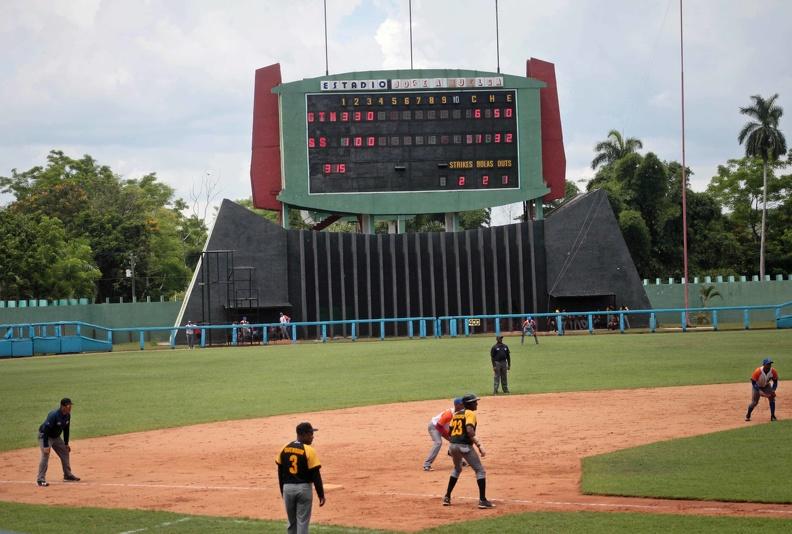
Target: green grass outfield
[(166, 389), (36, 519), (758, 460)]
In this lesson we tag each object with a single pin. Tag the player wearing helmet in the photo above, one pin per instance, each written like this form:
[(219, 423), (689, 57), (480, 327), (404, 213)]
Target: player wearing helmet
[(463, 437)]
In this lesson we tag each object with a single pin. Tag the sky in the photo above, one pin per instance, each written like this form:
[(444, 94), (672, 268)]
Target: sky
[(166, 86)]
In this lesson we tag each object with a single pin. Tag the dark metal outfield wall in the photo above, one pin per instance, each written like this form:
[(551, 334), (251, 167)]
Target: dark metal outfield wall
[(335, 276), (315, 276), (326, 276)]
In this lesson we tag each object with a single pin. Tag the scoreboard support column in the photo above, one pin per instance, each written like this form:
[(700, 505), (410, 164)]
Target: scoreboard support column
[(397, 226), (538, 209), (452, 222), (285, 216), (366, 223)]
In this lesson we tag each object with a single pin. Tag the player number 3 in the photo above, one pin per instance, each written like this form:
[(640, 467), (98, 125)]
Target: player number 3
[(293, 466)]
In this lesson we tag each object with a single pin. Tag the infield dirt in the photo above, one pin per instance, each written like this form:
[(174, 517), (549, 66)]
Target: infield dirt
[(372, 458)]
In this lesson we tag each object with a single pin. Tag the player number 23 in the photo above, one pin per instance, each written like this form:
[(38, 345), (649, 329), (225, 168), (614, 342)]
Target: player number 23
[(456, 427), (293, 466)]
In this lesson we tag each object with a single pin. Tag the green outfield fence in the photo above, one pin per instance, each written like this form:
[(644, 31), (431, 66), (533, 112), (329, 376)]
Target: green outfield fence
[(73, 337)]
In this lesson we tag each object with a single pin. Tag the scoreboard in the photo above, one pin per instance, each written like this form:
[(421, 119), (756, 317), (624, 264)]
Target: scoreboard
[(374, 142), (397, 142)]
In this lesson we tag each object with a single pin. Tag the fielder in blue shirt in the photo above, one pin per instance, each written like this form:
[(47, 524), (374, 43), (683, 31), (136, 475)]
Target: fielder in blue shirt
[(49, 437)]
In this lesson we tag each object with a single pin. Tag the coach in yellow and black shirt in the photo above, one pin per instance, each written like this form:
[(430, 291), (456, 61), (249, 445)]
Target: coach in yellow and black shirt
[(298, 468)]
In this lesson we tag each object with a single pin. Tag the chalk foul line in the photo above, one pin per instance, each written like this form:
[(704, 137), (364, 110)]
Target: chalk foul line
[(600, 505)]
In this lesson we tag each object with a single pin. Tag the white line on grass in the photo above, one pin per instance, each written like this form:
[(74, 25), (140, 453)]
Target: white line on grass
[(161, 525), (398, 494), (161, 486)]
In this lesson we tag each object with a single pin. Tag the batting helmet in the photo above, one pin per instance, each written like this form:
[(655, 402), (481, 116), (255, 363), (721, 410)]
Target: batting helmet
[(470, 398)]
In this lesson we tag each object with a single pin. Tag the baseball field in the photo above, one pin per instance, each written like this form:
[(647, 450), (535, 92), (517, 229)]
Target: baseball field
[(604, 433)]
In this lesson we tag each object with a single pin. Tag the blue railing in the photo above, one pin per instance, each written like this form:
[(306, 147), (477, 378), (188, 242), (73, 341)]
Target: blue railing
[(617, 319), (78, 337), (414, 327)]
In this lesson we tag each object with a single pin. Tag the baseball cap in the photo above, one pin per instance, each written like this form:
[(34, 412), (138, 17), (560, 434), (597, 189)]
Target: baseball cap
[(305, 428), (458, 400), (470, 397), (766, 361), (66, 401)]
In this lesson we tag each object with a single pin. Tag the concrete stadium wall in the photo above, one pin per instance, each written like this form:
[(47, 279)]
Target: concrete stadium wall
[(119, 315), (733, 294), (126, 315)]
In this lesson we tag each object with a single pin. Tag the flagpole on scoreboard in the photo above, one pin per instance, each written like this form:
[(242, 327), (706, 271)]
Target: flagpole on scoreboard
[(497, 36), (411, 43), (327, 67)]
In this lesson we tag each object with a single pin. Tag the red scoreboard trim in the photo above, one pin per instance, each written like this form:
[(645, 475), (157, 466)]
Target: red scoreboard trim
[(553, 156), (265, 158)]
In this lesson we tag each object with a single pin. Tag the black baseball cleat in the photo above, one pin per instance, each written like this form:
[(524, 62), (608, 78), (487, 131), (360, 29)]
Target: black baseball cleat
[(71, 478), (747, 417), (447, 500), (42, 483), (773, 418), (427, 468), (484, 503)]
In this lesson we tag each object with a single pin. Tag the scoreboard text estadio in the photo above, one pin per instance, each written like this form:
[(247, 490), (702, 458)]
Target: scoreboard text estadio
[(371, 142)]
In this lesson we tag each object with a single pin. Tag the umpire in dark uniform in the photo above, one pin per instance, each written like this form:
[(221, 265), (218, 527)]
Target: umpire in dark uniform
[(501, 363), (49, 437)]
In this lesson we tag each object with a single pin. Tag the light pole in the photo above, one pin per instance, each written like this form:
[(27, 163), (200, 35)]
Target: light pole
[(131, 273)]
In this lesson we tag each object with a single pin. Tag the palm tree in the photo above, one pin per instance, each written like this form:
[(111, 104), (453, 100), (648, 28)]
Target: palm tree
[(707, 293), (764, 140), (613, 148)]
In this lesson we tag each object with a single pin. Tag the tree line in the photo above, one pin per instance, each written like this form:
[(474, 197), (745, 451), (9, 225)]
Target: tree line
[(75, 227), (742, 223)]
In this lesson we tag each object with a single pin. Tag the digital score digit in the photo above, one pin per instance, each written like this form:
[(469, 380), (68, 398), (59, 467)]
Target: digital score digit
[(412, 141)]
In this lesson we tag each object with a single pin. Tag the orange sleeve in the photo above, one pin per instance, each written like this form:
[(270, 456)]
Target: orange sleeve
[(445, 418), (756, 374), (775, 373)]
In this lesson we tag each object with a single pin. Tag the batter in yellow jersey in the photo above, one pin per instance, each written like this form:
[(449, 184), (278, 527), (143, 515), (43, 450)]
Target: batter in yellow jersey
[(463, 437)]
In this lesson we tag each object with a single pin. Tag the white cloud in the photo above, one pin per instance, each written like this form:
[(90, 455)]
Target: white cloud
[(166, 85)]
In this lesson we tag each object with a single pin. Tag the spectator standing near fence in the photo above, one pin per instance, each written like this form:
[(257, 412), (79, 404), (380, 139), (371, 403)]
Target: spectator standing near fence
[(245, 329), (58, 422), (190, 333), (626, 317), (501, 364), (298, 468), (284, 325)]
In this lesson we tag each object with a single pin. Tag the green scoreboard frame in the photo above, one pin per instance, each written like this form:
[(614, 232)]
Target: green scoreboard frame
[(409, 142)]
